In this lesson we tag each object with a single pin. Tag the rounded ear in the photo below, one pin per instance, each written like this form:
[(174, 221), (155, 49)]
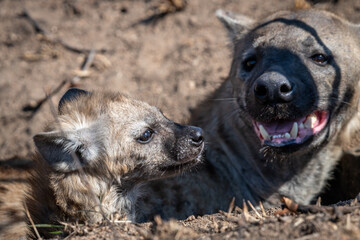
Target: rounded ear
[(351, 136), (236, 24), (71, 94), (68, 151)]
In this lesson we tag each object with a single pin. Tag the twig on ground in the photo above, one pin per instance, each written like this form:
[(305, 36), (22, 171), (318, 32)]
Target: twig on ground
[(85, 66), (162, 9), (318, 202), (245, 211), (38, 29), (231, 206), (121, 221), (262, 209), (32, 222), (298, 208), (158, 220), (354, 202), (73, 82), (282, 212), (34, 108), (254, 209)]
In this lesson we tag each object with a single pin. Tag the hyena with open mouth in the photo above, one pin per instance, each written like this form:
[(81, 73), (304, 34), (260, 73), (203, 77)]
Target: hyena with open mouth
[(93, 159), (284, 118)]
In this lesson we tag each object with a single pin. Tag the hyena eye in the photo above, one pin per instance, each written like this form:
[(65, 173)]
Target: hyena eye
[(249, 64), (146, 136), (320, 59)]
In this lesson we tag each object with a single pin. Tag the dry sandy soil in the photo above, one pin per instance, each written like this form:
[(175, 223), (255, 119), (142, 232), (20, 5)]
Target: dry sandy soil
[(170, 60)]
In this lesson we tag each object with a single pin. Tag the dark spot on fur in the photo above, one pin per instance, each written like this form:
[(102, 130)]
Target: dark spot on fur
[(346, 100), (308, 41), (12, 212), (146, 199), (159, 189), (176, 187), (170, 149), (137, 157), (3, 189)]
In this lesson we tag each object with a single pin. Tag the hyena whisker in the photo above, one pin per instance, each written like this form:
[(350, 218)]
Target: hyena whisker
[(339, 101), (222, 99), (220, 122)]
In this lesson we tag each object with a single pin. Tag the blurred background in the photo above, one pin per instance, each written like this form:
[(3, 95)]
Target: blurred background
[(170, 53)]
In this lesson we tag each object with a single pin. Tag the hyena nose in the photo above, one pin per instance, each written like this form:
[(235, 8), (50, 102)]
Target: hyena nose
[(273, 89), (196, 136)]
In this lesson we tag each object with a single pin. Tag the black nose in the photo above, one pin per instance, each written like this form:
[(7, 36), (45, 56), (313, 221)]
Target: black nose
[(196, 136), (273, 88)]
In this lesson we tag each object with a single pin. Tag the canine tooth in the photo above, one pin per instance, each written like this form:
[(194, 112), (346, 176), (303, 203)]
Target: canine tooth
[(310, 121), (287, 135), (301, 126), (294, 130), (264, 133)]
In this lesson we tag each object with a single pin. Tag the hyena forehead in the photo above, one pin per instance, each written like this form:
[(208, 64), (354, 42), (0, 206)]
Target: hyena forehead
[(115, 106), (133, 112), (308, 28)]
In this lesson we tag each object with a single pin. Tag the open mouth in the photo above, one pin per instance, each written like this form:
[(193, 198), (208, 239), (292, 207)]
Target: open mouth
[(285, 132)]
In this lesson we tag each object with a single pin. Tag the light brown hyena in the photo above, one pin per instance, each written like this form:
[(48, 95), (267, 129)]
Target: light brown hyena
[(285, 117), (93, 159)]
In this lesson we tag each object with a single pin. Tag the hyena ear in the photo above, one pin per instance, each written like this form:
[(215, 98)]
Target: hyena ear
[(67, 151), (236, 24), (70, 95), (351, 136)]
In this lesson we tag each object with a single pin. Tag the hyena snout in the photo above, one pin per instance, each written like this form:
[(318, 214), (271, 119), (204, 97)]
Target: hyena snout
[(273, 88), (190, 143), (196, 138)]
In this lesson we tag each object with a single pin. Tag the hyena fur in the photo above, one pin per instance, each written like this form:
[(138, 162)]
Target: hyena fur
[(94, 158), (280, 123)]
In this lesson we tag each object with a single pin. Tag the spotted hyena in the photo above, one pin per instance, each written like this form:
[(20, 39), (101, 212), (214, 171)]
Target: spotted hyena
[(279, 124), (93, 159)]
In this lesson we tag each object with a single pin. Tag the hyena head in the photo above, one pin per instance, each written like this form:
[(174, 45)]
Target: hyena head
[(295, 76), (117, 143)]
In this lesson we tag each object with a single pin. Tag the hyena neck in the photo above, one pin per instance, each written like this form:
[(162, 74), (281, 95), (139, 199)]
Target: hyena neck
[(308, 183), (93, 199), (55, 197)]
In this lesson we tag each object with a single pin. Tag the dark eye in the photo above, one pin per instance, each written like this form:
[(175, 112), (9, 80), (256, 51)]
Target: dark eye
[(249, 64), (320, 59), (146, 136)]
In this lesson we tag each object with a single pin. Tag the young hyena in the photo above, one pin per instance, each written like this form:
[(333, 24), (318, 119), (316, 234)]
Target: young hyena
[(93, 159)]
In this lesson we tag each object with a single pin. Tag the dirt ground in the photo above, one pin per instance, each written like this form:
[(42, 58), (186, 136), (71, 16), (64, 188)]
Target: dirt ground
[(170, 55)]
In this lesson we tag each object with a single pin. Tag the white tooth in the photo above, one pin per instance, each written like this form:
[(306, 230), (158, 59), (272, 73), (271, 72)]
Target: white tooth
[(313, 121), (287, 135), (301, 126), (294, 130), (310, 121), (264, 133)]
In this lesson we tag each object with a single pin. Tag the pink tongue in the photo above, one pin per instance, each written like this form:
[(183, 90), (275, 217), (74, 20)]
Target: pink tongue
[(279, 127)]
